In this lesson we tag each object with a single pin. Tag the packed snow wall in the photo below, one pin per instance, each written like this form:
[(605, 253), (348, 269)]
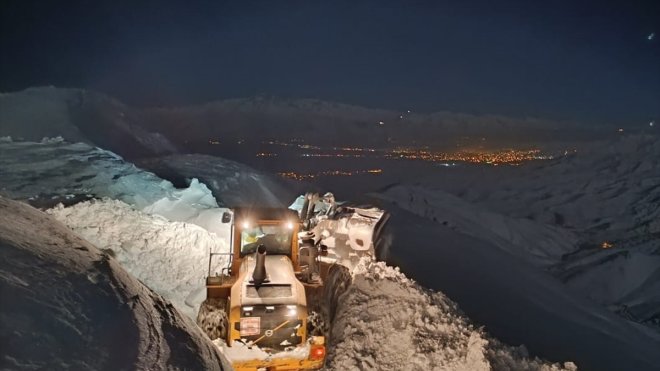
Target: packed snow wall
[(67, 305)]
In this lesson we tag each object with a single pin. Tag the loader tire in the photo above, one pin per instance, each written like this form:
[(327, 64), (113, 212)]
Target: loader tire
[(212, 318), (338, 280)]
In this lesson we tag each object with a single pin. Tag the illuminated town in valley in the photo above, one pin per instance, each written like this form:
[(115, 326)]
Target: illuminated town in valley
[(462, 155)]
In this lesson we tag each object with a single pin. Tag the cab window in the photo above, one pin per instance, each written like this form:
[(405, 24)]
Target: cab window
[(276, 238)]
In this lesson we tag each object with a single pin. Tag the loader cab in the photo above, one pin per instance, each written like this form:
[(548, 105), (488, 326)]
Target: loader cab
[(275, 228)]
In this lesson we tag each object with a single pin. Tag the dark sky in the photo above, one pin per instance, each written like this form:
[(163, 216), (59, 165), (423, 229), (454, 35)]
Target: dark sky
[(586, 61)]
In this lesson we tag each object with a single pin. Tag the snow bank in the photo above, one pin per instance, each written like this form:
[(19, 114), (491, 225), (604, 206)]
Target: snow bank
[(169, 257), (387, 322), (46, 172), (233, 184), (50, 172), (66, 305)]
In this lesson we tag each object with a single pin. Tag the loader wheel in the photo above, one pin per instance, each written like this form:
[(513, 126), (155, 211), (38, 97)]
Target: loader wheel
[(212, 318), (338, 280)]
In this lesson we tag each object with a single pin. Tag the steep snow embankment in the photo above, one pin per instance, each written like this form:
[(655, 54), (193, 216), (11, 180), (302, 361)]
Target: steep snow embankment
[(66, 305), (387, 322), (233, 183), (169, 257), (53, 171)]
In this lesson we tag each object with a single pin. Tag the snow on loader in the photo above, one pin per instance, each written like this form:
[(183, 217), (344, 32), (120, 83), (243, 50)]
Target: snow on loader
[(279, 278)]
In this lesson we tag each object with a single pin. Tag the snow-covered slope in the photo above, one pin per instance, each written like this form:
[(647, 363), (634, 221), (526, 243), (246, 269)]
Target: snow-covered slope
[(68, 306), (609, 191), (78, 115), (169, 257), (92, 117), (516, 301), (386, 321), (540, 243), (326, 123), (608, 196), (233, 183), (58, 170), (54, 170)]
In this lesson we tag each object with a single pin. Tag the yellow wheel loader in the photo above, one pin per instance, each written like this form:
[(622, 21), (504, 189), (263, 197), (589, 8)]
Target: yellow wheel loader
[(258, 305), (281, 278)]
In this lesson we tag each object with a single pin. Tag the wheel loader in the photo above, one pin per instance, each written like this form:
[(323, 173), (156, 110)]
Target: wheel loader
[(260, 304), (260, 300)]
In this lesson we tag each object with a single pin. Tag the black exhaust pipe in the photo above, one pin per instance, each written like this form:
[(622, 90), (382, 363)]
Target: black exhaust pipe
[(259, 274)]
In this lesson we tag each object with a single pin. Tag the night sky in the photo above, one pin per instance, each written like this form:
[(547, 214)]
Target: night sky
[(588, 61)]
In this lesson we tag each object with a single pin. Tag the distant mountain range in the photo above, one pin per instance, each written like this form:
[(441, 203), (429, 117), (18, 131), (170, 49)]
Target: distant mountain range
[(83, 115)]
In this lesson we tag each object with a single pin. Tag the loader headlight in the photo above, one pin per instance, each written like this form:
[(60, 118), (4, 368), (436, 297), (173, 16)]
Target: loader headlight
[(289, 225), (245, 224), (291, 310)]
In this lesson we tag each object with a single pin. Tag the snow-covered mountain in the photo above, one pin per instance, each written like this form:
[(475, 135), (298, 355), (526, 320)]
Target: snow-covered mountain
[(542, 244), (515, 299), (600, 207), (81, 115), (78, 115), (322, 122), (68, 306)]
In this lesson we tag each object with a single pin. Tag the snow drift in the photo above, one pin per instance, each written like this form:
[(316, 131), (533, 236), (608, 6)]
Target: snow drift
[(386, 321), (171, 258), (60, 171), (66, 305), (232, 183)]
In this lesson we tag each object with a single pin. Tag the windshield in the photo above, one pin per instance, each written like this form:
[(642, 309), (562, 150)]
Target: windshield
[(276, 238)]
